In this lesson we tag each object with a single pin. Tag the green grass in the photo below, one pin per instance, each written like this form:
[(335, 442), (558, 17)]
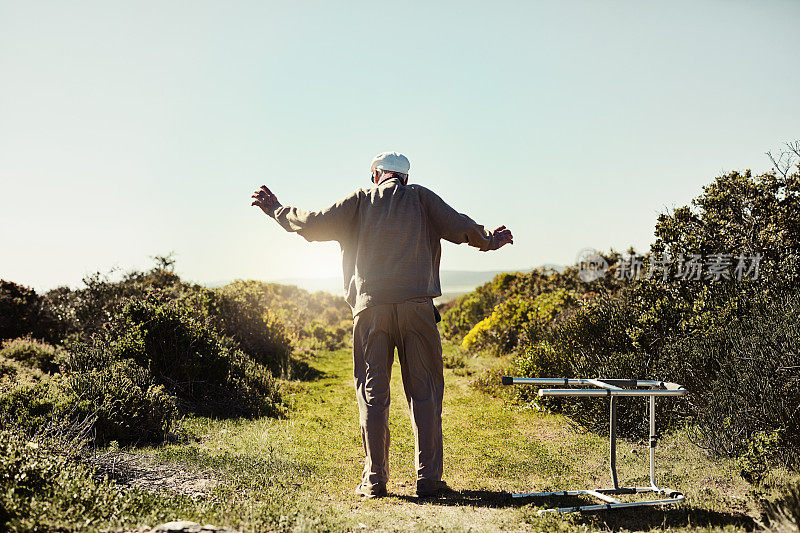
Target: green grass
[(300, 472)]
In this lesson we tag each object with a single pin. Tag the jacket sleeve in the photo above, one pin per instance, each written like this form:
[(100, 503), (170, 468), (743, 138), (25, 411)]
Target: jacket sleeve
[(333, 223), (453, 226)]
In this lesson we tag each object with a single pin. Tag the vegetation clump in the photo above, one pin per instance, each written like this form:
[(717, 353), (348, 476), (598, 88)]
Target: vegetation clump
[(730, 339)]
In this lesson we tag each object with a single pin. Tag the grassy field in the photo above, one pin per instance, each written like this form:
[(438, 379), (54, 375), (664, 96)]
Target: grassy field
[(299, 473)]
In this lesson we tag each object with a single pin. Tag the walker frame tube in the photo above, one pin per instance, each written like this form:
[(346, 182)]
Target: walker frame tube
[(613, 388)]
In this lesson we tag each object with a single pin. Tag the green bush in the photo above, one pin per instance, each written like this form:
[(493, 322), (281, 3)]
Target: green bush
[(250, 315), (470, 309), (467, 311), (31, 405), (611, 336), (274, 305), (742, 379), (239, 312), (32, 353), (85, 312), (126, 403), (119, 401), (761, 452), (13, 372), (741, 213), (185, 355), (518, 320), (734, 352)]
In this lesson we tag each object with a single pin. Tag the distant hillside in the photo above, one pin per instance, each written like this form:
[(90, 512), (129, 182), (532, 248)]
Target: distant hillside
[(454, 282)]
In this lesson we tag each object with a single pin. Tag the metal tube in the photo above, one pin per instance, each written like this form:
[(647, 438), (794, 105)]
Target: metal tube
[(601, 496), (508, 380), (611, 392), (653, 441), (612, 437), (621, 490), (603, 384), (602, 507)]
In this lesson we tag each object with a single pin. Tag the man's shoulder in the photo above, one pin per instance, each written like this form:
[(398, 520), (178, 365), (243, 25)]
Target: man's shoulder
[(425, 194), (358, 193), (420, 189)]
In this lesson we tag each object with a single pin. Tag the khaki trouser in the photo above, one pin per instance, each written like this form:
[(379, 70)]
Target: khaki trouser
[(411, 327)]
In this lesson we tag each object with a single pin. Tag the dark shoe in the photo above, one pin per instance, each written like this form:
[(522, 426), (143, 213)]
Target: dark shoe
[(375, 491), (428, 488)]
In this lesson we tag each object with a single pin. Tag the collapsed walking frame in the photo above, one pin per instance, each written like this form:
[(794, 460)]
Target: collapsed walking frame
[(611, 388)]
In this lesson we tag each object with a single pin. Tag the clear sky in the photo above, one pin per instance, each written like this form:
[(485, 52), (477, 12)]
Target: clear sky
[(129, 129)]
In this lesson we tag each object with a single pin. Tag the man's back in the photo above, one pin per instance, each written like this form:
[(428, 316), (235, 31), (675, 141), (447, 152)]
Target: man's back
[(390, 239)]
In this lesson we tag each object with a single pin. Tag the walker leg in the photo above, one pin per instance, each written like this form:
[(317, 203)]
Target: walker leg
[(612, 437), (653, 441)]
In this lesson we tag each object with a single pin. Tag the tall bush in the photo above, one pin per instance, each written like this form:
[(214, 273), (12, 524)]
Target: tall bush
[(185, 355), (24, 313)]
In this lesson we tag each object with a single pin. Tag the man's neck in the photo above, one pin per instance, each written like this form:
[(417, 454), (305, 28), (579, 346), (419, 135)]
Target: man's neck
[(388, 177)]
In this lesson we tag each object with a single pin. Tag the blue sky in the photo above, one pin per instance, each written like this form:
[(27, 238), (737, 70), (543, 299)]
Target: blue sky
[(134, 129)]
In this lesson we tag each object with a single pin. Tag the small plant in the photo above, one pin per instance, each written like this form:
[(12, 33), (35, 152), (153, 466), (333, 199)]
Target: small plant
[(761, 453), (43, 489), (127, 404), (453, 359), (34, 354), (783, 514)]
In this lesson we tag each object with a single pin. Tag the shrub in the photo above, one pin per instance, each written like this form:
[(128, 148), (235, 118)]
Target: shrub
[(185, 355), (518, 320), (453, 359), (119, 401), (542, 360), (13, 372), (468, 310), (301, 312), (29, 405), (742, 378), (761, 452), (488, 382), (611, 336), (32, 353), (25, 313), (736, 356), (238, 311), (128, 406), (84, 312), (741, 213)]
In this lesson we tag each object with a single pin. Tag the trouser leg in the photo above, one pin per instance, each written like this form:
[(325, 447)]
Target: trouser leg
[(420, 350), (373, 351)]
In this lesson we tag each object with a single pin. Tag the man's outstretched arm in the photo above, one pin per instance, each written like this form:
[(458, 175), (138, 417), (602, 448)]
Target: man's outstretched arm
[(329, 224), (458, 228)]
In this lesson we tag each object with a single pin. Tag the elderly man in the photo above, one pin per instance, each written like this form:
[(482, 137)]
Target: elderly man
[(390, 239)]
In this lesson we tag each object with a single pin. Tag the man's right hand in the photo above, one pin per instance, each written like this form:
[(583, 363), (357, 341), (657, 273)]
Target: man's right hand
[(264, 199), (502, 236)]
